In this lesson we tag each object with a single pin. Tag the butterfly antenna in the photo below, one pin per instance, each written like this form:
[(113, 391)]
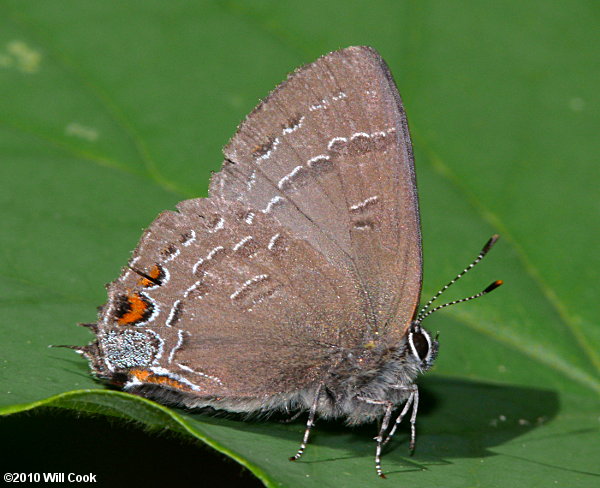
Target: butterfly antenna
[(424, 311), (490, 287)]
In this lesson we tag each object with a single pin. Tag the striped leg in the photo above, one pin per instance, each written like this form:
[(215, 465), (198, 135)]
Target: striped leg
[(413, 420), (389, 407), (309, 425), (413, 400), (384, 425), (292, 418)]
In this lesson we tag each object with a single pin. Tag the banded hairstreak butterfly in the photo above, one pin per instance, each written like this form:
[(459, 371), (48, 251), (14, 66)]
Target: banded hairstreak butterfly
[(295, 285)]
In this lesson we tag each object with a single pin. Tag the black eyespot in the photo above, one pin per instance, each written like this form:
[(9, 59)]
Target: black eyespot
[(420, 344)]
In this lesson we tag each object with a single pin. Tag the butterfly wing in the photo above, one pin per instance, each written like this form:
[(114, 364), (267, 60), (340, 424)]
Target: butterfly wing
[(328, 154), (308, 245), (226, 290)]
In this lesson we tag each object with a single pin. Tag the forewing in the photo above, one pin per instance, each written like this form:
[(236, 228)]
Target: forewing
[(328, 154)]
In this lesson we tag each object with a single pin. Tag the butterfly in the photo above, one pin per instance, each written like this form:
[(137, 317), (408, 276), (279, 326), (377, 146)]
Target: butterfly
[(295, 285)]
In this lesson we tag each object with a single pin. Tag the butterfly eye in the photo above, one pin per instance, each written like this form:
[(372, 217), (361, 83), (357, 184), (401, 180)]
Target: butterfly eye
[(420, 344)]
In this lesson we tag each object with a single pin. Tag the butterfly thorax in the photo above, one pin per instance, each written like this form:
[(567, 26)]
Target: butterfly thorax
[(374, 375)]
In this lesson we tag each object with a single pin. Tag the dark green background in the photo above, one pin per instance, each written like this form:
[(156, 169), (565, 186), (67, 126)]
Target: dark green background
[(111, 112)]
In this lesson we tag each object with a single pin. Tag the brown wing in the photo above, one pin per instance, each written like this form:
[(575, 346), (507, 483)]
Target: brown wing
[(227, 290), (328, 154), (309, 244)]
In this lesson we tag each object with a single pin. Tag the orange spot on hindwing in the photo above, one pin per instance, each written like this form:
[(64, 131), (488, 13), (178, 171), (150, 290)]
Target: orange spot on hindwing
[(140, 374), (146, 376), (154, 277), (133, 308)]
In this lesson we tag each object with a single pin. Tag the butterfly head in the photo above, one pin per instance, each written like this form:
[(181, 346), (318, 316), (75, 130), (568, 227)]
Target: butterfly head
[(421, 346)]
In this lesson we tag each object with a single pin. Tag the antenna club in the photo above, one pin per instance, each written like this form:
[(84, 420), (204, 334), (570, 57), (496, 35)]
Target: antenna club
[(489, 244), (493, 286)]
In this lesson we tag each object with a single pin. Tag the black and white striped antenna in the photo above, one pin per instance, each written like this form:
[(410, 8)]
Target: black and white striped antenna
[(424, 312)]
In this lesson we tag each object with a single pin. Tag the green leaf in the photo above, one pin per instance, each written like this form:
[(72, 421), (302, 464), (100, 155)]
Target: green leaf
[(112, 112)]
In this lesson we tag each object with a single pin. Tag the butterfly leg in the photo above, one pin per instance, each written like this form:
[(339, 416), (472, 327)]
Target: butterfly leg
[(413, 400), (384, 425), (309, 425), (292, 418), (389, 407)]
